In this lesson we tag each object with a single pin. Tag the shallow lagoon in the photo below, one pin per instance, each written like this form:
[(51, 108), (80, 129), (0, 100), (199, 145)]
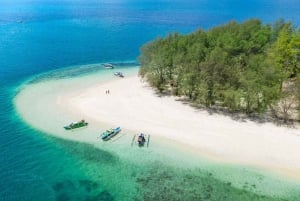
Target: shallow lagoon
[(38, 36)]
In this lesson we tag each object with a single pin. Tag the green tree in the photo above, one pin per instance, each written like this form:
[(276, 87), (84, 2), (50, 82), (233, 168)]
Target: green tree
[(239, 66)]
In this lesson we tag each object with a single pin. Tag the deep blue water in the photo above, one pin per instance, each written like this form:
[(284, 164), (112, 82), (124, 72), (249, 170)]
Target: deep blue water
[(39, 36)]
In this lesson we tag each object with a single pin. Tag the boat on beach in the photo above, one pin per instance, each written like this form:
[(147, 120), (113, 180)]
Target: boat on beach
[(142, 140), (75, 125), (108, 66), (108, 134), (119, 74)]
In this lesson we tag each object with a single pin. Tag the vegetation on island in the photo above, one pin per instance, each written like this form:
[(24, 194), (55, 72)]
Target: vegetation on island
[(247, 67)]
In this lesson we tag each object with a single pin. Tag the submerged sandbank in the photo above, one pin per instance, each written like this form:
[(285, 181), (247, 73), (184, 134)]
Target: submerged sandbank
[(133, 105)]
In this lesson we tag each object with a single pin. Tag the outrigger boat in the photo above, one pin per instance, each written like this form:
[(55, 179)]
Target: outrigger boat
[(142, 139), (108, 66), (119, 74), (108, 134), (74, 125)]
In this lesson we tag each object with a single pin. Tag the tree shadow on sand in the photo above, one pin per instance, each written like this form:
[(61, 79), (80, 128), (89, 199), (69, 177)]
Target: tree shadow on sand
[(267, 117)]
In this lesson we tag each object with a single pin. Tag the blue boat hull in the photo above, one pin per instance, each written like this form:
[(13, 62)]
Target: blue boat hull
[(107, 136)]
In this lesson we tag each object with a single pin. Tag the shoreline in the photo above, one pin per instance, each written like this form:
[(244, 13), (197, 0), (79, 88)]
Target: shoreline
[(215, 137)]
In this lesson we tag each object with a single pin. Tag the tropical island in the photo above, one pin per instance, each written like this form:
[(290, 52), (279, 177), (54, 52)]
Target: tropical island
[(247, 67)]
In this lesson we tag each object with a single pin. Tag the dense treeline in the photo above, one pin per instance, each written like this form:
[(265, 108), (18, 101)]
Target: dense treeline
[(243, 67)]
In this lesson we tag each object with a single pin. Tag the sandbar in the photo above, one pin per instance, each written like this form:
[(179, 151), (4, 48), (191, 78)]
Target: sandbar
[(135, 106)]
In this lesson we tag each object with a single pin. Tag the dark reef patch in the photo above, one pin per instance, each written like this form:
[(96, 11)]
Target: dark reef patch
[(161, 183), (81, 189)]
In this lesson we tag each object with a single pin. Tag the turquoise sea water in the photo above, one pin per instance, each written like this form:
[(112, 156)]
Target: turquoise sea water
[(41, 36)]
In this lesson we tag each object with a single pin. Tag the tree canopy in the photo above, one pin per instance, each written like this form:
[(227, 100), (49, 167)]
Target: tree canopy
[(238, 66)]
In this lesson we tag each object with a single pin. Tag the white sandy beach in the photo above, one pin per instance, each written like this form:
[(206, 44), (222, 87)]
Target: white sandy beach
[(134, 106)]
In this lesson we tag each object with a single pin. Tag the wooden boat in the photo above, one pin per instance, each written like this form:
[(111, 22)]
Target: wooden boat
[(75, 125), (119, 74), (108, 66), (142, 140), (108, 134)]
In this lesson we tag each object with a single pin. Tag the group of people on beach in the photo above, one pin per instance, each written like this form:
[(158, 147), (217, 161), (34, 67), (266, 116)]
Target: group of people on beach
[(107, 91)]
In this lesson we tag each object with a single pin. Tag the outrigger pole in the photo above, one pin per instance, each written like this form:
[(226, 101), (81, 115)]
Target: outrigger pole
[(133, 140), (148, 141)]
